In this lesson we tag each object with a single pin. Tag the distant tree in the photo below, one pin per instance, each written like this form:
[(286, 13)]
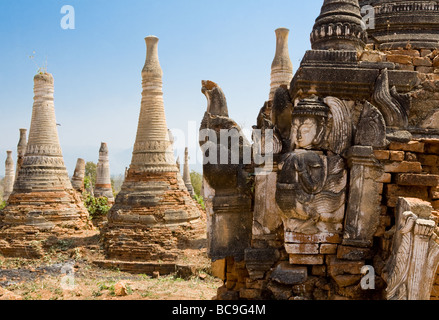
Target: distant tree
[(90, 171), (116, 182), (197, 181)]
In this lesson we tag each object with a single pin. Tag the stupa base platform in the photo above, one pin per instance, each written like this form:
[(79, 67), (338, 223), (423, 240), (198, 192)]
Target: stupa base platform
[(30, 242)]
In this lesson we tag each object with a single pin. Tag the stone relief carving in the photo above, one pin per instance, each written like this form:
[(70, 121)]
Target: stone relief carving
[(311, 187)]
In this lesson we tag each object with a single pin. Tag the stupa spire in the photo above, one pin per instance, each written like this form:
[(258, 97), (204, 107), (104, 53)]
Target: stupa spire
[(9, 176), (282, 67), (103, 186)]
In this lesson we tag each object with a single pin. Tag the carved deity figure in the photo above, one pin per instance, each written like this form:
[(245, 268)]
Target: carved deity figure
[(311, 187)]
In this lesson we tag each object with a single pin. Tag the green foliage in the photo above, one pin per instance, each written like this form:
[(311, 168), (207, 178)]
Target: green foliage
[(90, 171), (197, 181), (97, 207), (2, 205), (200, 200)]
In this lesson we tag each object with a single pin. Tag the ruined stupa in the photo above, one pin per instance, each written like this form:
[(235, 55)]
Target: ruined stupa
[(79, 175), (21, 149), (347, 208), (8, 182), (153, 217), (103, 186), (281, 67), (43, 203), (187, 173)]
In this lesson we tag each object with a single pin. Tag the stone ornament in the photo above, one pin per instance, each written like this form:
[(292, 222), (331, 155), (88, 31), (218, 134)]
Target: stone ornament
[(411, 269)]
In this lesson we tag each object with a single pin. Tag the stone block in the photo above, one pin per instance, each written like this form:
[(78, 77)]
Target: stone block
[(400, 59), (402, 167), (422, 62), (338, 267), (412, 146), (428, 159), (285, 273), (353, 253), (218, 268), (292, 237), (346, 280), (407, 52), (382, 154), (251, 294), (385, 178), (302, 248), (397, 155), (373, 56), (327, 248), (436, 62), (410, 179), (425, 69), (319, 270), (425, 52), (301, 259)]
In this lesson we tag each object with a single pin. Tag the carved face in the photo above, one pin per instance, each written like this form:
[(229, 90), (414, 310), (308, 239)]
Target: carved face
[(304, 132)]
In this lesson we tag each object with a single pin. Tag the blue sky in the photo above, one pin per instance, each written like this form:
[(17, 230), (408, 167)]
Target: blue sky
[(97, 65)]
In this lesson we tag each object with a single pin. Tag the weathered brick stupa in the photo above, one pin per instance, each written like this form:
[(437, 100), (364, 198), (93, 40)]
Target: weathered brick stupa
[(154, 217), (43, 203), (8, 182), (79, 175), (103, 186), (21, 149), (349, 209), (187, 173)]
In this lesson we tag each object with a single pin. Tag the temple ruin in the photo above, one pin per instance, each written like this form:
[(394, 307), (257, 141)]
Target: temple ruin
[(103, 187), (8, 182), (187, 173), (345, 205), (43, 206), (21, 149), (78, 176), (154, 217)]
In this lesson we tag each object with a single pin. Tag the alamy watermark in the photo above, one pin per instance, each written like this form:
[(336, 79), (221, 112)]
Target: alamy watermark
[(368, 15), (68, 20)]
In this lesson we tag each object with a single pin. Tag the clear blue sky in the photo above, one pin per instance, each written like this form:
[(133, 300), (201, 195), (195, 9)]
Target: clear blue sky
[(97, 66)]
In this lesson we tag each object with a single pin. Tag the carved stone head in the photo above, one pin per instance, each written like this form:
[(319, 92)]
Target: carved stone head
[(310, 118)]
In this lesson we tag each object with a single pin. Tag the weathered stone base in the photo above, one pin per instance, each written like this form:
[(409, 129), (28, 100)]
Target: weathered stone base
[(32, 243), (149, 268), (154, 218), (32, 221)]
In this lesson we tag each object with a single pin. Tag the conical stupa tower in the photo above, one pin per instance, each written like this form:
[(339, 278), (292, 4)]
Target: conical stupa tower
[(282, 67), (21, 149), (153, 212), (79, 175), (187, 174), (8, 183), (103, 186), (43, 198)]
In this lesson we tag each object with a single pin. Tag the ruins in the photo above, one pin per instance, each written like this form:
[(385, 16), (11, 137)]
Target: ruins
[(154, 217), (78, 176), (43, 206), (21, 149), (187, 173), (346, 207), (8, 183), (103, 186)]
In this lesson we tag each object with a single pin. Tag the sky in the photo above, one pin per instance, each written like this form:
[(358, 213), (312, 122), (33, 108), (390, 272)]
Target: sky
[(97, 66)]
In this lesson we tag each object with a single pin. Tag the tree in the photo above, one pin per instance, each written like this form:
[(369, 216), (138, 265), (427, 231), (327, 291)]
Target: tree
[(90, 171), (197, 181)]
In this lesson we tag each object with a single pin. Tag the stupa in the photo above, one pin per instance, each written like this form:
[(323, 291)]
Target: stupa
[(153, 217), (103, 186), (43, 203), (8, 183)]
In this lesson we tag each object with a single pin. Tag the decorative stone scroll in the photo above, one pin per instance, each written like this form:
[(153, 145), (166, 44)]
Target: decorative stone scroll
[(411, 269)]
